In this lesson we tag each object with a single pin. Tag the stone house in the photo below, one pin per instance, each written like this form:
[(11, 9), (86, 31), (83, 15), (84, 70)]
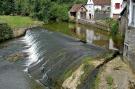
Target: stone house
[(78, 11)]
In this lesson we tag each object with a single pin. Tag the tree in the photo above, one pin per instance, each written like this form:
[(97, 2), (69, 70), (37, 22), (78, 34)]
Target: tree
[(44, 10)]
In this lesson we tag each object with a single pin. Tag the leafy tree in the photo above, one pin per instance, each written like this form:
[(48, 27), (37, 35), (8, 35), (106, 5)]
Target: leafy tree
[(44, 10)]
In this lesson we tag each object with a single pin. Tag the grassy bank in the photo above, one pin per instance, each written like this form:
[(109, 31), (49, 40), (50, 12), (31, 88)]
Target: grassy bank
[(15, 26), (19, 21)]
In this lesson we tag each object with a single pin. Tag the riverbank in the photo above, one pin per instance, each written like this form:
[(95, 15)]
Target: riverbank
[(99, 24), (107, 74), (17, 26), (116, 75)]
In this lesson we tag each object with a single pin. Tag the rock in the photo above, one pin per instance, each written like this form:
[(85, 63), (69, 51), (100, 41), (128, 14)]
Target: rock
[(15, 57), (74, 80), (122, 75)]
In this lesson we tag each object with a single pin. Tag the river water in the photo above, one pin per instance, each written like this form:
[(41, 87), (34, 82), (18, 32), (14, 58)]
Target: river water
[(47, 55), (85, 33)]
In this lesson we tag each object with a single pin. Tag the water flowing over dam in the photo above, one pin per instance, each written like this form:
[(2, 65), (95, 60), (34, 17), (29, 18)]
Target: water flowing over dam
[(52, 54)]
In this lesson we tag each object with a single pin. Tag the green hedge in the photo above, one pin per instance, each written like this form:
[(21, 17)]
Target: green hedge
[(5, 32)]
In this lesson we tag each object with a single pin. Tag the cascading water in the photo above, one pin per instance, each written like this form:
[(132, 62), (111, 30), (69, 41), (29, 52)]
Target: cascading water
[(52, 54)]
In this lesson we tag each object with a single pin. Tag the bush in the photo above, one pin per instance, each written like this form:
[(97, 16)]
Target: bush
[(115, 33), (5, 32), (59, 12)]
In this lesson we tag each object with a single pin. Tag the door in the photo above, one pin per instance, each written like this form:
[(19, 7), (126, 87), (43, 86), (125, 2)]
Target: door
[(83, 15), (90, 16)]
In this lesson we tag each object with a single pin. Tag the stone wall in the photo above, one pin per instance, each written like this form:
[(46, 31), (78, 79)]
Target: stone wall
[(101, 15), (94, 24), (129, 47)]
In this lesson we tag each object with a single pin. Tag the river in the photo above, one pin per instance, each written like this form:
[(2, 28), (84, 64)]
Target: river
[(46, 55), (84, 33)]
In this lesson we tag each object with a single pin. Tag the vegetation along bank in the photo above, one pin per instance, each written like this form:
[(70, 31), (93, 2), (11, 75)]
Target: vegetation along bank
[(15, 26)]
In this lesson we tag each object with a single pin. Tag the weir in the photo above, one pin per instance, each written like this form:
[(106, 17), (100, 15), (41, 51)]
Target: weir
[(52, 54)]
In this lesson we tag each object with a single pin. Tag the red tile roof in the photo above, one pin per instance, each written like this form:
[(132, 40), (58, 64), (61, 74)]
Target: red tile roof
[(102, 2)]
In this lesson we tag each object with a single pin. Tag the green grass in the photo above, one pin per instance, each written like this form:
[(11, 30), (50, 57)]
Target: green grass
[(18, 21), (97, 81), (109, 80)]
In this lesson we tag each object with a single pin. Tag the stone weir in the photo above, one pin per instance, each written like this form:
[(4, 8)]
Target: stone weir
[(52, 54)]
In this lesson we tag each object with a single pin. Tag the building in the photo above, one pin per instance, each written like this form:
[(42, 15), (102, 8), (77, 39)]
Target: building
[(94, 9), (116, 8), (131, 16), (103, 5), (78, 11), (102, 9), (129, 43), (90, 10), (98, 9)]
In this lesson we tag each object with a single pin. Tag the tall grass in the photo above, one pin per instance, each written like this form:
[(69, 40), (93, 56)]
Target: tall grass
[(18, 21)]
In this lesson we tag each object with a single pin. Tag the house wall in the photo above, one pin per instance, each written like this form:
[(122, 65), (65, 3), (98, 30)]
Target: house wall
[(103, 8), (98, 7), (90, 10), (129, 47), (113, 9), (106, 8), (129, 43), (79, 13), (131, 14)]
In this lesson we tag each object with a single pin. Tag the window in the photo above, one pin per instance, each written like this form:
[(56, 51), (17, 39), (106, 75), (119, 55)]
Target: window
[(126, 50), (117, 5)]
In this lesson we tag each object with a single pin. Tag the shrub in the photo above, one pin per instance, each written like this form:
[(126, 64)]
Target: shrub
[(115, 33), (5, 32)]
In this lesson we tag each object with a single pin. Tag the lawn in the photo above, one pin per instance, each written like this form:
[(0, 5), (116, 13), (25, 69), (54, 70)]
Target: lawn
[(19, 21)]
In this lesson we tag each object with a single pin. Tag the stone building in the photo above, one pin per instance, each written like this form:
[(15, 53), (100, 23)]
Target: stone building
[(78, 11), (129, 43)]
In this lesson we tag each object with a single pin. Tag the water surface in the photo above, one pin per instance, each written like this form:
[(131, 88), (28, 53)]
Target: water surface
[(47, 55), (85, 33)]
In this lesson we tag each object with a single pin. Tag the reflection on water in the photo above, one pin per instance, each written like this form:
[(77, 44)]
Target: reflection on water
[(84, 33), (91, 36)]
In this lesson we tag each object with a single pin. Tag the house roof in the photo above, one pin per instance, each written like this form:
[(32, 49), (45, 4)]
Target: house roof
[(102, 2), (76, 7)]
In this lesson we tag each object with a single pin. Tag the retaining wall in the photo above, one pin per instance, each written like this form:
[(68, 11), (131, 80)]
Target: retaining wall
[(94, 24)]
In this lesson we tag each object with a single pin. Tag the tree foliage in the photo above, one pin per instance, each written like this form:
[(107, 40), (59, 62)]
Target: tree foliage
[(5, 32), (44, 10)]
